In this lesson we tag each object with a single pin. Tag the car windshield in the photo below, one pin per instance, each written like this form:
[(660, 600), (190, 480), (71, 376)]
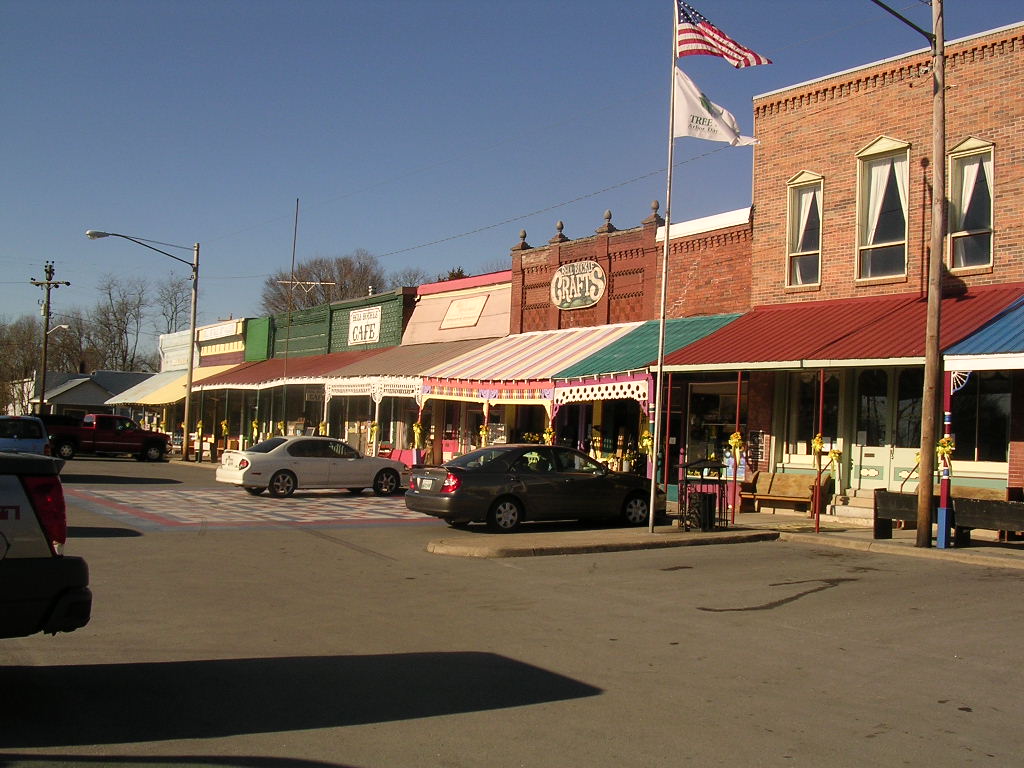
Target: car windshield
[(267, 445), (478, 458)]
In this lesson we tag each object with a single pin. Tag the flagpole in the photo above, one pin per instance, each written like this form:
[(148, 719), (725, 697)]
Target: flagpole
[(658, 376)]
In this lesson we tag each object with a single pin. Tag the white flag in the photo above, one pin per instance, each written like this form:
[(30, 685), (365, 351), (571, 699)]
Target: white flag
[(695, 115)]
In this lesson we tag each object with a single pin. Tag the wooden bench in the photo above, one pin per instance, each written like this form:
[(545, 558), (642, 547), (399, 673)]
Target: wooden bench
[(988, 514), (892, 506), (783, 487)]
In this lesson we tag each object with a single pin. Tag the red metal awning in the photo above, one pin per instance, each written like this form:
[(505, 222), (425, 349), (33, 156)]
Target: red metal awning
[(276, 371), (876, 330)]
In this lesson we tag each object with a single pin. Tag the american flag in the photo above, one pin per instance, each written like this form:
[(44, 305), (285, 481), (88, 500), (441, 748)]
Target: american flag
[(695, 35)]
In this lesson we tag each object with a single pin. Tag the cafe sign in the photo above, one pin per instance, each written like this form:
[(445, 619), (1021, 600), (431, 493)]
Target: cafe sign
[(578, 285), (364, 326)]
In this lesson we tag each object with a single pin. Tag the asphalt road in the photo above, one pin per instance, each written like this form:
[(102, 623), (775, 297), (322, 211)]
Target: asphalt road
[(296, 643)]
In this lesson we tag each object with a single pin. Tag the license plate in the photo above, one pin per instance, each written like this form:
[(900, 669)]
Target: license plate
[(426, 483)]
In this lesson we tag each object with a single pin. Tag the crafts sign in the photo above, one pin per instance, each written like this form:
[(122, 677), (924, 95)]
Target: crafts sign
[(577, 285)]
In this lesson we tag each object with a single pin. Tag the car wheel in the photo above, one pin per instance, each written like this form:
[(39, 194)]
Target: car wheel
[(254, 491), (505, 516), (386, 482), (282, 484), (65, 450), (635, 510), (153, 452), (355, 491)]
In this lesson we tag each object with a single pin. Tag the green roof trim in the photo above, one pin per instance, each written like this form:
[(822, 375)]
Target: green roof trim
[(638, 349)]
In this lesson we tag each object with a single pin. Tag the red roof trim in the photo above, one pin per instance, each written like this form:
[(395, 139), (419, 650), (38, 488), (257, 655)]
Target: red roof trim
[(869, 328)]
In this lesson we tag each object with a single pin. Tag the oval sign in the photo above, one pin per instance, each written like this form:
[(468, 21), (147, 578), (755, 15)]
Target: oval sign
[(578, 285)]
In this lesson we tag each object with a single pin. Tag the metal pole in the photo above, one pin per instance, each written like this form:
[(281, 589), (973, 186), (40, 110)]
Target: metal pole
[(658, 383), (191, 353)]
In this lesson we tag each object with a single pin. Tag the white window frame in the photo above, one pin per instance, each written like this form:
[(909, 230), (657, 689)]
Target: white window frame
[(797, 188), (967, 151), (882, 148)]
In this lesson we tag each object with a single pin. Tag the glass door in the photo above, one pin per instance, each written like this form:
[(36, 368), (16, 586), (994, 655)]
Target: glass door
[(888, 434)]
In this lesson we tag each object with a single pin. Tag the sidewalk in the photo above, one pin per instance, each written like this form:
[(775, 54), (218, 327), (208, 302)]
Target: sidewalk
[(750, 527)]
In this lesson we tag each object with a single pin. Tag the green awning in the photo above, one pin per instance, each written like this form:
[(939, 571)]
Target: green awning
[(638, 349)]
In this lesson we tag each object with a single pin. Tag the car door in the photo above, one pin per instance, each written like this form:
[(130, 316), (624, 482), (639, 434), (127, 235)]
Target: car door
[(106, 433), (533, 478), (347, 469), (585, 484), (311, 462)]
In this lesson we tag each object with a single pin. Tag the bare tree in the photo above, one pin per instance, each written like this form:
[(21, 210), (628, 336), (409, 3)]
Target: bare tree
[(114, 325), (20, 350), (173, 302), (409, 277), (352, 275)]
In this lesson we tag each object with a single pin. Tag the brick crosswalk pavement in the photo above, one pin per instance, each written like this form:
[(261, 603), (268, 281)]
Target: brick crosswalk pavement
[(233, 508)]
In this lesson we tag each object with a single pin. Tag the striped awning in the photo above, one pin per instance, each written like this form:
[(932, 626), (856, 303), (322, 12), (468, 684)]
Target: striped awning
[(278, 371), (529, 356)]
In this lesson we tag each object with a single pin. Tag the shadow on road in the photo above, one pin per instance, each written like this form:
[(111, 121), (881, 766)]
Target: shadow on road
[(192, 761), (69, 478), (122, 703), (98, 532)]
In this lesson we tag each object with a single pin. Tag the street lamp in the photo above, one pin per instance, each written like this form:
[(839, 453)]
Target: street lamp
[(93, 234)]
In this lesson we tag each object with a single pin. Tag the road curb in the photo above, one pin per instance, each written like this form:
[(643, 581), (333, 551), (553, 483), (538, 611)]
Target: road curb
[(970, 556), (590, 545)]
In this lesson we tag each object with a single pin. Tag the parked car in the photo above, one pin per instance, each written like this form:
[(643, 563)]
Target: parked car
[(104, 433), (41, 589), (24, 434), (281, 465), (503, 485)]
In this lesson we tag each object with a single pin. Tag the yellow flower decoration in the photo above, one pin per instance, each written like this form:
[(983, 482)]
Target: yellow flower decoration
[(646, 442), (817, 444), (549, 435), (224, 427), (945, 447), (835, 455), (736, 441)]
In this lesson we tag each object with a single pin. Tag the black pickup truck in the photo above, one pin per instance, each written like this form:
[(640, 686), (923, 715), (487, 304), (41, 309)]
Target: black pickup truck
[(41, 588)]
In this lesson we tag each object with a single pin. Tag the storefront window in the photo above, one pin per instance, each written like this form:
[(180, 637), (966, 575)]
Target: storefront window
[(872, 407), (908, 408), (804, 391), (981, 418)]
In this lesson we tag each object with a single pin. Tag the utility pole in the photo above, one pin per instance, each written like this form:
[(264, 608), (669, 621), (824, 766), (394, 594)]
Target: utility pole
[(47, 285), (932, 353)]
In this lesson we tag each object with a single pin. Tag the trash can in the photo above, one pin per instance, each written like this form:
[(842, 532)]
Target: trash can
[(705, 504)]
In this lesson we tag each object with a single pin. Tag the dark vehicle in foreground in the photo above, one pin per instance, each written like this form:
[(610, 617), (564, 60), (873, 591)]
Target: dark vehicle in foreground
[(104, 433), (503, 485), (41, 589)]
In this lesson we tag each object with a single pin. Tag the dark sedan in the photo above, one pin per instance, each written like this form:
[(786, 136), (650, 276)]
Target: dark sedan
[(503, 485)]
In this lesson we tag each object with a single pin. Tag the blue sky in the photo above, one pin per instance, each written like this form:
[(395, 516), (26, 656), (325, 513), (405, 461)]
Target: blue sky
[(428, 134)]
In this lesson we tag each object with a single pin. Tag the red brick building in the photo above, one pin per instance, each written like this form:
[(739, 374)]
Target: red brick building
[(842, 194)]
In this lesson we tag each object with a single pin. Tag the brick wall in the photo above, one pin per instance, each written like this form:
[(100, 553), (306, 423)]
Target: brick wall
[(709, 273), (820, 126)]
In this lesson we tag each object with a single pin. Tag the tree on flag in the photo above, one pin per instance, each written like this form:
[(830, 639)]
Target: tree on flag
[(696, 115)]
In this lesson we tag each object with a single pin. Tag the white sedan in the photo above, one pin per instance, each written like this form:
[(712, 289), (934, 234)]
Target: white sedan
[(280, 465)]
